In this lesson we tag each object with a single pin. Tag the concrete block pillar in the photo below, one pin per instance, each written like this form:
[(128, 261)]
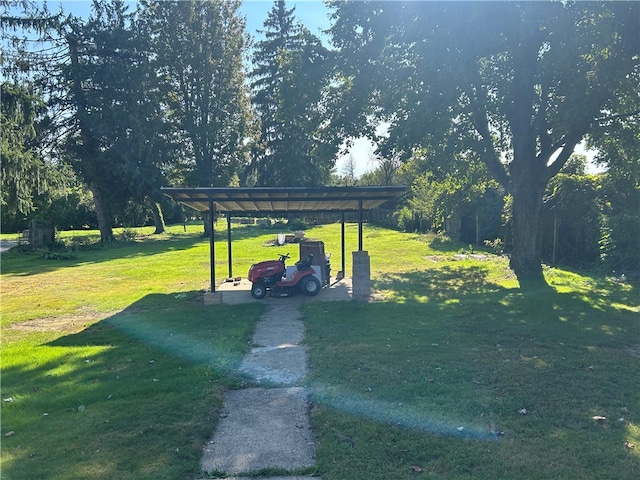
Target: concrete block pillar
[(361, 276)]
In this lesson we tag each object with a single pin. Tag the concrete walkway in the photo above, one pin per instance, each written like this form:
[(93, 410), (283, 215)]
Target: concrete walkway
[(267, 427)]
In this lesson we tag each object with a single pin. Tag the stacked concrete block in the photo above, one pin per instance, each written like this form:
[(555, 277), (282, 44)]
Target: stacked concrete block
[(361, 276)]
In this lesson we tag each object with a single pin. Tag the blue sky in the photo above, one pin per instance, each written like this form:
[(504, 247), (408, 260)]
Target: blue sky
[(313, 14)]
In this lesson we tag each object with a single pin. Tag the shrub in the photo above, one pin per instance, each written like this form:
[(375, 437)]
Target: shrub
[(405, 220), (297, 224)]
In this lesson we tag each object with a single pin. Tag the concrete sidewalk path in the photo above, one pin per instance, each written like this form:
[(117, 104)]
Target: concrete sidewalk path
[(262, 428), (267, 427)]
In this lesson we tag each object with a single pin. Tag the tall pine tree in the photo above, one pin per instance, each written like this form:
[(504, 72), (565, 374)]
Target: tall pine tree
[(289, 79), (25, 172)]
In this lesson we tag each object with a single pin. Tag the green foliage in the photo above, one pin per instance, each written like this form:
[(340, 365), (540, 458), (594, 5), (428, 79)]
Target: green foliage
[(497, 245), (290, 75), (197, 49), (127, 235), (620, 241), (513, 85), (469, 194), (405, 219), (72, 210), (58, 254), (24, 172), (572, 217), (618, 142), (295, 224)]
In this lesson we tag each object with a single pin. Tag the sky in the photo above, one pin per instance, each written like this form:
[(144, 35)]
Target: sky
[(311, 13)]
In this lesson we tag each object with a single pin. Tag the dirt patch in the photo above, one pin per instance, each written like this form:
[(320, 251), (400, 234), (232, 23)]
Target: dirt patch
[(71, 324), (633, 350)]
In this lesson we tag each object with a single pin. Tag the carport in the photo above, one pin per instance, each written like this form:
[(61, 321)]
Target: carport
[(285, 200)]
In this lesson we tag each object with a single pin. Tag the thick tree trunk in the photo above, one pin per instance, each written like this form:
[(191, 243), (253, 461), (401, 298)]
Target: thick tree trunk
[(207, 224), (158, 218), (526, 251), (102, 212)]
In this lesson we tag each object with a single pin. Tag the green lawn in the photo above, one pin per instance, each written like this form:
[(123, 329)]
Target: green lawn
[(112, 368), (469, 379)]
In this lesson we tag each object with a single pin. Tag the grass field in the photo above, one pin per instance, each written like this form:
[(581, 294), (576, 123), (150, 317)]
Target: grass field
[(112, 368)]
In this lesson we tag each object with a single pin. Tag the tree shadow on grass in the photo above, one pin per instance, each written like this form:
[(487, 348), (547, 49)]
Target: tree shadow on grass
[(132, 396), (434, 284), (32, 263), (598, 305), (450, 344)]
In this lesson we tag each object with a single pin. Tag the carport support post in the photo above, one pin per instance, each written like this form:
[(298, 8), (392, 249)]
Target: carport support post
[(212, 250), (344, 273), (361, 276), (229, 244), (359, 225)]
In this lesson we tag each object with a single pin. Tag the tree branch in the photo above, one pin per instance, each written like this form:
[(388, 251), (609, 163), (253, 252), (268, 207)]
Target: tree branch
[(481, 124), (617, 116)]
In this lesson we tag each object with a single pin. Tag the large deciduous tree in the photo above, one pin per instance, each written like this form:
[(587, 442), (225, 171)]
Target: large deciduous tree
[(289, 78), (516, 85), (198, 47)]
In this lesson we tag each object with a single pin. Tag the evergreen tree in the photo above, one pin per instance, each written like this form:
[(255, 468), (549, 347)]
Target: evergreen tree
[(25, 172), (102, 68), (102, 112), (289, 79)]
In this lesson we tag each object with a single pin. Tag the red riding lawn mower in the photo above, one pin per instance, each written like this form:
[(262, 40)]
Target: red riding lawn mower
[(268, 277)]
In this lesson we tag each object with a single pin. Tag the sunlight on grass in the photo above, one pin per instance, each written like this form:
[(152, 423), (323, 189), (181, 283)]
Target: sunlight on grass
[(448, 359), (633, 439)]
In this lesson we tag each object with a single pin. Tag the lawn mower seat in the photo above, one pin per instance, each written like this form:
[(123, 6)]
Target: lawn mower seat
[(306, 263)]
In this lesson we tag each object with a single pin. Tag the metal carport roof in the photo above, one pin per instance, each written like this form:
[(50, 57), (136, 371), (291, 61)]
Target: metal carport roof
[(284, 199), (277, 200)]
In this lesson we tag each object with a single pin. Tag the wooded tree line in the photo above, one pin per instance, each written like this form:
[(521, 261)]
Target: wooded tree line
[(478, 100)]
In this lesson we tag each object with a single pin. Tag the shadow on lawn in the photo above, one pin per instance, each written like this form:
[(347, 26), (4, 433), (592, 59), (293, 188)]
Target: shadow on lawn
[(31, 263), (131, 396), (443, 282), (180, 325), (603, 308), (450, 344)]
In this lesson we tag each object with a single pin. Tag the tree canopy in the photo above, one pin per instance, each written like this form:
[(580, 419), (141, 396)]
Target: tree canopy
[(198, 48), (516, 85)]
